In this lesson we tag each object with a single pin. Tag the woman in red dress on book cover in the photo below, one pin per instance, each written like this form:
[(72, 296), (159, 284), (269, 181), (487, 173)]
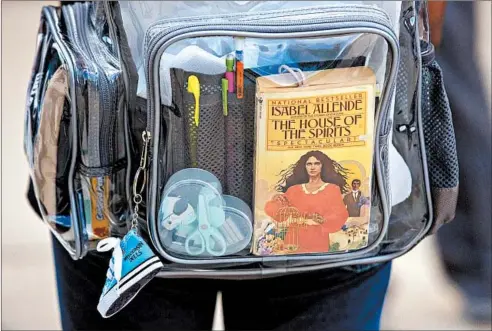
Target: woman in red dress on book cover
[(311, 205)]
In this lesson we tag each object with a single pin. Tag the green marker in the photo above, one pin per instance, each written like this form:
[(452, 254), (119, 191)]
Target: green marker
[(225, 86)]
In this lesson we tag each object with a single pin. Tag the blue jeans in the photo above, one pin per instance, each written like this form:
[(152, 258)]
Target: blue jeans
[(330, 300)]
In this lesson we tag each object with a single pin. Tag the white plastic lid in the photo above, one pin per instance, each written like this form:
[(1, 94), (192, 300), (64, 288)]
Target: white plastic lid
[(239, 43)]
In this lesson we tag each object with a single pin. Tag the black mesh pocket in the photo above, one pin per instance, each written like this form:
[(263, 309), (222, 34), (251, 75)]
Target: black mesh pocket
[(438, 130), (440, 143), (239, 125), (198, 145), (222, 144), (205, 142)]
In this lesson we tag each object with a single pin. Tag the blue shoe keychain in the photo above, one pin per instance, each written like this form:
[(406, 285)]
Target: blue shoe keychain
[(133, 263), (132, 266)]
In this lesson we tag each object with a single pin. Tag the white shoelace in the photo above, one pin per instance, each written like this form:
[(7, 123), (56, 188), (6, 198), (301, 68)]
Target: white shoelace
[(115, 265)]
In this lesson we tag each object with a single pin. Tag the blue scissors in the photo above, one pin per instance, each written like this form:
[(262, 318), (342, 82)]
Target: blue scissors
[(207, 236)]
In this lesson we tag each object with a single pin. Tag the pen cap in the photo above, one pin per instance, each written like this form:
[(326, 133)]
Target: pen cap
[(225, 84), (239, 43), (230, 62), (194, 86)]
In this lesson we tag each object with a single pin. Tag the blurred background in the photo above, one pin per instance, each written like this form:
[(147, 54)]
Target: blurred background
[(420, 295)]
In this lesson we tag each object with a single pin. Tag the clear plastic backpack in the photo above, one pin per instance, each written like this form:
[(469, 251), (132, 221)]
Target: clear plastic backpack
[(243, 139)]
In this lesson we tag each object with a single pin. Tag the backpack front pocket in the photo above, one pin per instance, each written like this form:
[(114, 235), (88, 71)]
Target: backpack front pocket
[(52, 153), (50, 134), (210, 128), (76, 137)]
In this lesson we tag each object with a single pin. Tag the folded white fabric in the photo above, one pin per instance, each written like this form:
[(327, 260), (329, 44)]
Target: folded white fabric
[(400, 177), (190, 58)]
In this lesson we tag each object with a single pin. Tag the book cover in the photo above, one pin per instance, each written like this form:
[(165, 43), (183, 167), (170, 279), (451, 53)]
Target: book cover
[(313, 162)]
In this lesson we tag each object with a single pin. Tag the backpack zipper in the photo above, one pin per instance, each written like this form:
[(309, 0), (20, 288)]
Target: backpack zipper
[(102, 120), (238, 17)]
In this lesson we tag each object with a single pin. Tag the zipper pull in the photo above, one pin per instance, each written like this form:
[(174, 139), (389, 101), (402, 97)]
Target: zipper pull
[(141, 172), (146, 136)]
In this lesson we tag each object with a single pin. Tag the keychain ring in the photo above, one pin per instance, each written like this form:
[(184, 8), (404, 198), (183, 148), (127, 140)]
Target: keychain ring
[(140, 189)]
